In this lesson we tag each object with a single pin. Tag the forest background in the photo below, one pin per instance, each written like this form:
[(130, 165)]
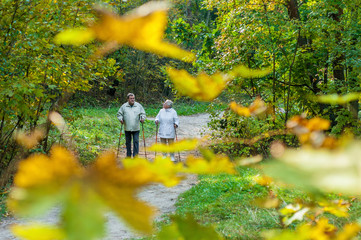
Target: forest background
[(311, 48)]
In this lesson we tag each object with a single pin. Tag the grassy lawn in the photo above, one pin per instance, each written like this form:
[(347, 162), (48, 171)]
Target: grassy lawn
[(228, 203)]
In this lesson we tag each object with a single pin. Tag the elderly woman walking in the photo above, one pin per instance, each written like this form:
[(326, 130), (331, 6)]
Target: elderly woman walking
[(168, 121)]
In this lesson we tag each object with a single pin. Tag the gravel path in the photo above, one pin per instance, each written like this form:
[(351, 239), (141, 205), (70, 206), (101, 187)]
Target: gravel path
[(156, 195)]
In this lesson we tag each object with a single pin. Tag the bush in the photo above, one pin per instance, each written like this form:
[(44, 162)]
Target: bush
[(244, 137)]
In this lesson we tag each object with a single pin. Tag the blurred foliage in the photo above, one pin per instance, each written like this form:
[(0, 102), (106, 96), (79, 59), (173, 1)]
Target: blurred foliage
[(36, 75), (309, 49)]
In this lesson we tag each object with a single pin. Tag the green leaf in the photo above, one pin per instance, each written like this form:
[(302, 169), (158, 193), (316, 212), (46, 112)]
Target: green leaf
[(337, 99), (187, 229), (82, 216), (75, 37), (320, 169), (38, 232)]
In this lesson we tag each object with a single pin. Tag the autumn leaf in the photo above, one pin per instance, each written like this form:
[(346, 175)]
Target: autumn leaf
[(142, 28), (256, 108), (310, 131), (210, 163), (270, 202), (76, 37), (349, 231), (31, 139), (60, 167), (118, 188), (182, 145), (61, 125), (323, 169), (240, 110), (83, 213), (38, 232), (245, 72), (249, 161), (321, 230), (58, 121), (201, 88), (338, 208), (42, 181), (299, 124), (162, 170), (296, 216), (206, 87), (337, 99), (263, 180), (187, 228)]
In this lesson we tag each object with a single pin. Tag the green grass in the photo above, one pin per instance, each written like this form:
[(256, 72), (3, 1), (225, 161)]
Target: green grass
[(3, 197), (227, 202)]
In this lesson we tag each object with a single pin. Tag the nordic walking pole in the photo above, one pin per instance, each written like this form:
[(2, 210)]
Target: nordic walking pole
[(156, 138), (120, 136), (176, 139), (145, 150)]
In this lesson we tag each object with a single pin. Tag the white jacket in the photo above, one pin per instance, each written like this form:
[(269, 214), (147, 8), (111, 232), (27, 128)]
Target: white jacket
[(166, 119)]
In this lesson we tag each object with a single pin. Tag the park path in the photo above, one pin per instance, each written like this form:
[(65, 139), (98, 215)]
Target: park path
[(157, 195)]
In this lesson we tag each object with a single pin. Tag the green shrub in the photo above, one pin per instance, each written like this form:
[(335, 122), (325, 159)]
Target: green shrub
[(243, 137)]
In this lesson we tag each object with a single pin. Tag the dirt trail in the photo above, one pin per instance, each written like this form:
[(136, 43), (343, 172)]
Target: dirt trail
[(156, 195)]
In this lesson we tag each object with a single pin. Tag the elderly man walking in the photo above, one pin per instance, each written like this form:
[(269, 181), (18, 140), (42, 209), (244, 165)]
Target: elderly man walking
[(131, 114)]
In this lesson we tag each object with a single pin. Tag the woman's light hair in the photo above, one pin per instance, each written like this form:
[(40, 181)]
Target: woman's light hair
[(168, 103)]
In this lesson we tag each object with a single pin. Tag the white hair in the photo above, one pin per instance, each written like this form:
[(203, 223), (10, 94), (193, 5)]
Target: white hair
[(168, 103)]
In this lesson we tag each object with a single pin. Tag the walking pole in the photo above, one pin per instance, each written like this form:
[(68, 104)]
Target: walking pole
[(120, 135), (145, 150), (176, 139), (156, 139)]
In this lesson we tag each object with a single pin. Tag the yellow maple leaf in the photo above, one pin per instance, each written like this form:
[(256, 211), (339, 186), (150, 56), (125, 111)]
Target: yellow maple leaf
[(118, 187), (323, 228), (182, 145), (206, 87), (41, 181), (240, 110), (310, 131), (40, 169), (38, 232), (317, 123), (302, 125), (349, 231), (263, 180), (338, 208), (162, 170), (217, 164), (143, 29), (201, 88), (256, 108)]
